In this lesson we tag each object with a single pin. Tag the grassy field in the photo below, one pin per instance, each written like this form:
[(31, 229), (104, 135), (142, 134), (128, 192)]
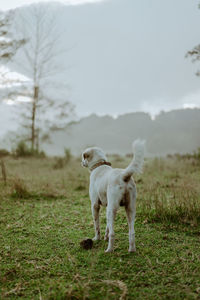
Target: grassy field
[(45, 213)]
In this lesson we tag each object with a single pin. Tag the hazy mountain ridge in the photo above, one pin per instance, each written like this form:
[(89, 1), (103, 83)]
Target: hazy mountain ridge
[(169, 132)]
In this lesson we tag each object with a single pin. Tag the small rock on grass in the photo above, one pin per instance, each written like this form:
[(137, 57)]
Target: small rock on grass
[(86, 244)]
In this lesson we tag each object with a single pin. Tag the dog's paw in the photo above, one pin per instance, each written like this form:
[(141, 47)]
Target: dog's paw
[(96, 238), (108, 250), (106, 238), (131, 250)]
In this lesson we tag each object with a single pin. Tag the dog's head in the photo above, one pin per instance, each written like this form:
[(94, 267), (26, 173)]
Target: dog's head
[(92, 156)]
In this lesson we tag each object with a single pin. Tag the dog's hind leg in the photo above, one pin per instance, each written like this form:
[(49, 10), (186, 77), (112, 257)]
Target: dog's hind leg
[(106, 233), (130, 211), (111, 213), (95, 214)]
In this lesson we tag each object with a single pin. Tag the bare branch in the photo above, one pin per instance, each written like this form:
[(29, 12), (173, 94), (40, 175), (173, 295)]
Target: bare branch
[(40, 61)]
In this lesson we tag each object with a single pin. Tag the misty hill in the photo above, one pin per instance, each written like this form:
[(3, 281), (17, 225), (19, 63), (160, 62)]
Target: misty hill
[(169, 132)]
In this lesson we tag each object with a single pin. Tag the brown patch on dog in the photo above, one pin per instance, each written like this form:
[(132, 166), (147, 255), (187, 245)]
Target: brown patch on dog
[(100, 202), (127, 178), (126, 199)]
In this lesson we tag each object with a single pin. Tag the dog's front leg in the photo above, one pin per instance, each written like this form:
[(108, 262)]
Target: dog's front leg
[(95, 214)]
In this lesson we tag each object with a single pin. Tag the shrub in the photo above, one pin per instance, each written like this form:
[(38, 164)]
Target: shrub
[(3, 171), (61, 162), (22, 150), (68, 155), (19, 189), (4, 152), (39, 154), (196, 154)]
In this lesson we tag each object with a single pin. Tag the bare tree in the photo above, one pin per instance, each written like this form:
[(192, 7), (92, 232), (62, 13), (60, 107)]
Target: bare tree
[(195, 56), (40, 60), (8, 44), (8, 49)]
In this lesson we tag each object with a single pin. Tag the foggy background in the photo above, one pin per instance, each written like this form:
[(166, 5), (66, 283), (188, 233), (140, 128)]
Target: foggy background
[(123, 57)]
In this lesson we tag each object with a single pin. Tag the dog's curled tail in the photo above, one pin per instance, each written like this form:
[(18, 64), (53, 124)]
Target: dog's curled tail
[(137, 162)]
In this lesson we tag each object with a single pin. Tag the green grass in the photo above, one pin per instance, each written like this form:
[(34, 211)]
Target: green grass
[(45, 213)]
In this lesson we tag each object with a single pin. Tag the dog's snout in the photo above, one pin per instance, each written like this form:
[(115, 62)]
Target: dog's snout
[(84, 163)]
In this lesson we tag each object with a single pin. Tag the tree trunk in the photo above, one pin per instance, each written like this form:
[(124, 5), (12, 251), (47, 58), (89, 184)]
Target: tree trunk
[(3, 170), (37, 140), (35, 99)]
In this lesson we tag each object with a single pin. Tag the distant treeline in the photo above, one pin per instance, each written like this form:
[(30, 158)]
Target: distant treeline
[(177, 131)]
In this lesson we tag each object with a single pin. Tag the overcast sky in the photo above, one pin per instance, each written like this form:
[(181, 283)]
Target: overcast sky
[(129, 55), (10, 4)]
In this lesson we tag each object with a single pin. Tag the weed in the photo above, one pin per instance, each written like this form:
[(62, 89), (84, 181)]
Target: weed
[(19, 189), (61, 162), (68, 155), (3, 171)]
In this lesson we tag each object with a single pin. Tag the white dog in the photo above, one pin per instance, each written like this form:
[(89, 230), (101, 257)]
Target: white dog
[(113, 188)]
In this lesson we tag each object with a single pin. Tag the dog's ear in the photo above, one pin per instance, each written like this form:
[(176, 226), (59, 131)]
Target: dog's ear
[(88, 155), (85, 155)]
